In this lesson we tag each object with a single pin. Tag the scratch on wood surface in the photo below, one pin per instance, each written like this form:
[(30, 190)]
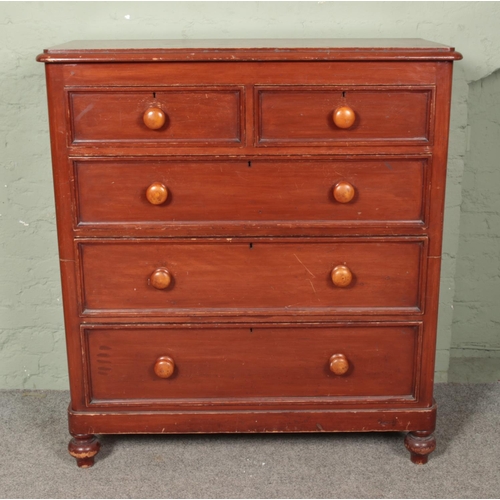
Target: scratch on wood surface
[(84, 112), (304, 266)]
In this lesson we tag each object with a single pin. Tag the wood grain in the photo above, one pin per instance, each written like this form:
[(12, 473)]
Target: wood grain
[(305, 115), (255, 277), (250, 191), (189, 116), (261, 363), (365, 49), (197, 249)]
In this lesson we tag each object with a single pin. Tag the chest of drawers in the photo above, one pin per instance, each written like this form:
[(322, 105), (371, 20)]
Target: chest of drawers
[(250, 234)]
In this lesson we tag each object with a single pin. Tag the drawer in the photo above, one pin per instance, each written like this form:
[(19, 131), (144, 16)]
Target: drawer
[(233, 364), (177, 193), (306, 115), (212, 278), (190, 116)]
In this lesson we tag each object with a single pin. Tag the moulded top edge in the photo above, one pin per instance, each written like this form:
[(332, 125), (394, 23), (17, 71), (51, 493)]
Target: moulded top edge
[(247, 50)]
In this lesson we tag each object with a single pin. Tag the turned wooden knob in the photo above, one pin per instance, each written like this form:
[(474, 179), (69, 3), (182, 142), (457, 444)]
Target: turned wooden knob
[(341, 276), (339, 364), (157, 193), (344, 117), (161, 278), (154, 118), (164, 367), (343, 192)]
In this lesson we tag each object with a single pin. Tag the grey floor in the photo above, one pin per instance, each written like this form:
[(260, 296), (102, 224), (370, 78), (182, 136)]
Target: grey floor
[(34, 462)]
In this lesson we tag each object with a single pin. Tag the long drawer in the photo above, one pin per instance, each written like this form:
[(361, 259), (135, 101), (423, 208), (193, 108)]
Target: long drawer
[(223, 364), (230, 276), (174, 193)]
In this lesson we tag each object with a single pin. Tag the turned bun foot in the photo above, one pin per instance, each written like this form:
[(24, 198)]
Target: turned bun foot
[(420, 444), (84, 447)]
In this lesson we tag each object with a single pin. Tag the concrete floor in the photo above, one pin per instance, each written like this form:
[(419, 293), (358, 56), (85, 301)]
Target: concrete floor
[(474, 370)]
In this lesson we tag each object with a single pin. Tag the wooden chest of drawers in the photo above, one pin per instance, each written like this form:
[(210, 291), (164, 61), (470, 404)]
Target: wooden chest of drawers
[(250, 234)]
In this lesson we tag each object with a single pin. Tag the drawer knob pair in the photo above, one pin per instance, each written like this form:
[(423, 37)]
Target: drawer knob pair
[(154, 118), (341, 277), (344, 117), (157, 193), (164, 367)]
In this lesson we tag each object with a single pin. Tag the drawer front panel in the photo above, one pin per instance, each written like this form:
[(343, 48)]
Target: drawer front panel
[(186, 73), (192, 116), (231, 277), (245, 363), (305, 115), (257, 191)]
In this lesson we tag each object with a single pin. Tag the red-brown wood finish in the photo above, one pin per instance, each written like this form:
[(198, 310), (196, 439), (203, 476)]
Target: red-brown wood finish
[(313, 116), (339, 364), (420, 444), (176, 115), (215, 192), (164, 367), (210, 278), (84, 447), (293, 363), (154, 118), (344, 116), (250, 234)]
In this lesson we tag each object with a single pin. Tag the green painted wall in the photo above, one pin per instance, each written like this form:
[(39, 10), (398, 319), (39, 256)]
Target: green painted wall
[(32, 352), (476, 320)]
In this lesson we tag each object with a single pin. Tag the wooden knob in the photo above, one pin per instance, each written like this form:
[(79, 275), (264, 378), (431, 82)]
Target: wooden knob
[(344, 117), (154, 118), (341, 276), (164, 367), (343, 192), (157, 193), (161, 278), (339, 364)]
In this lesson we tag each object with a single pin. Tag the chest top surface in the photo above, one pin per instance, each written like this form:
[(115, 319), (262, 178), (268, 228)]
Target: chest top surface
[(249, 49)]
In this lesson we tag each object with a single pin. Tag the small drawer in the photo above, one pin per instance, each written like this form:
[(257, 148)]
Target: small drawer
[(234, 277), (316, 116), (178, 116), (230, 365), (327, 192)]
